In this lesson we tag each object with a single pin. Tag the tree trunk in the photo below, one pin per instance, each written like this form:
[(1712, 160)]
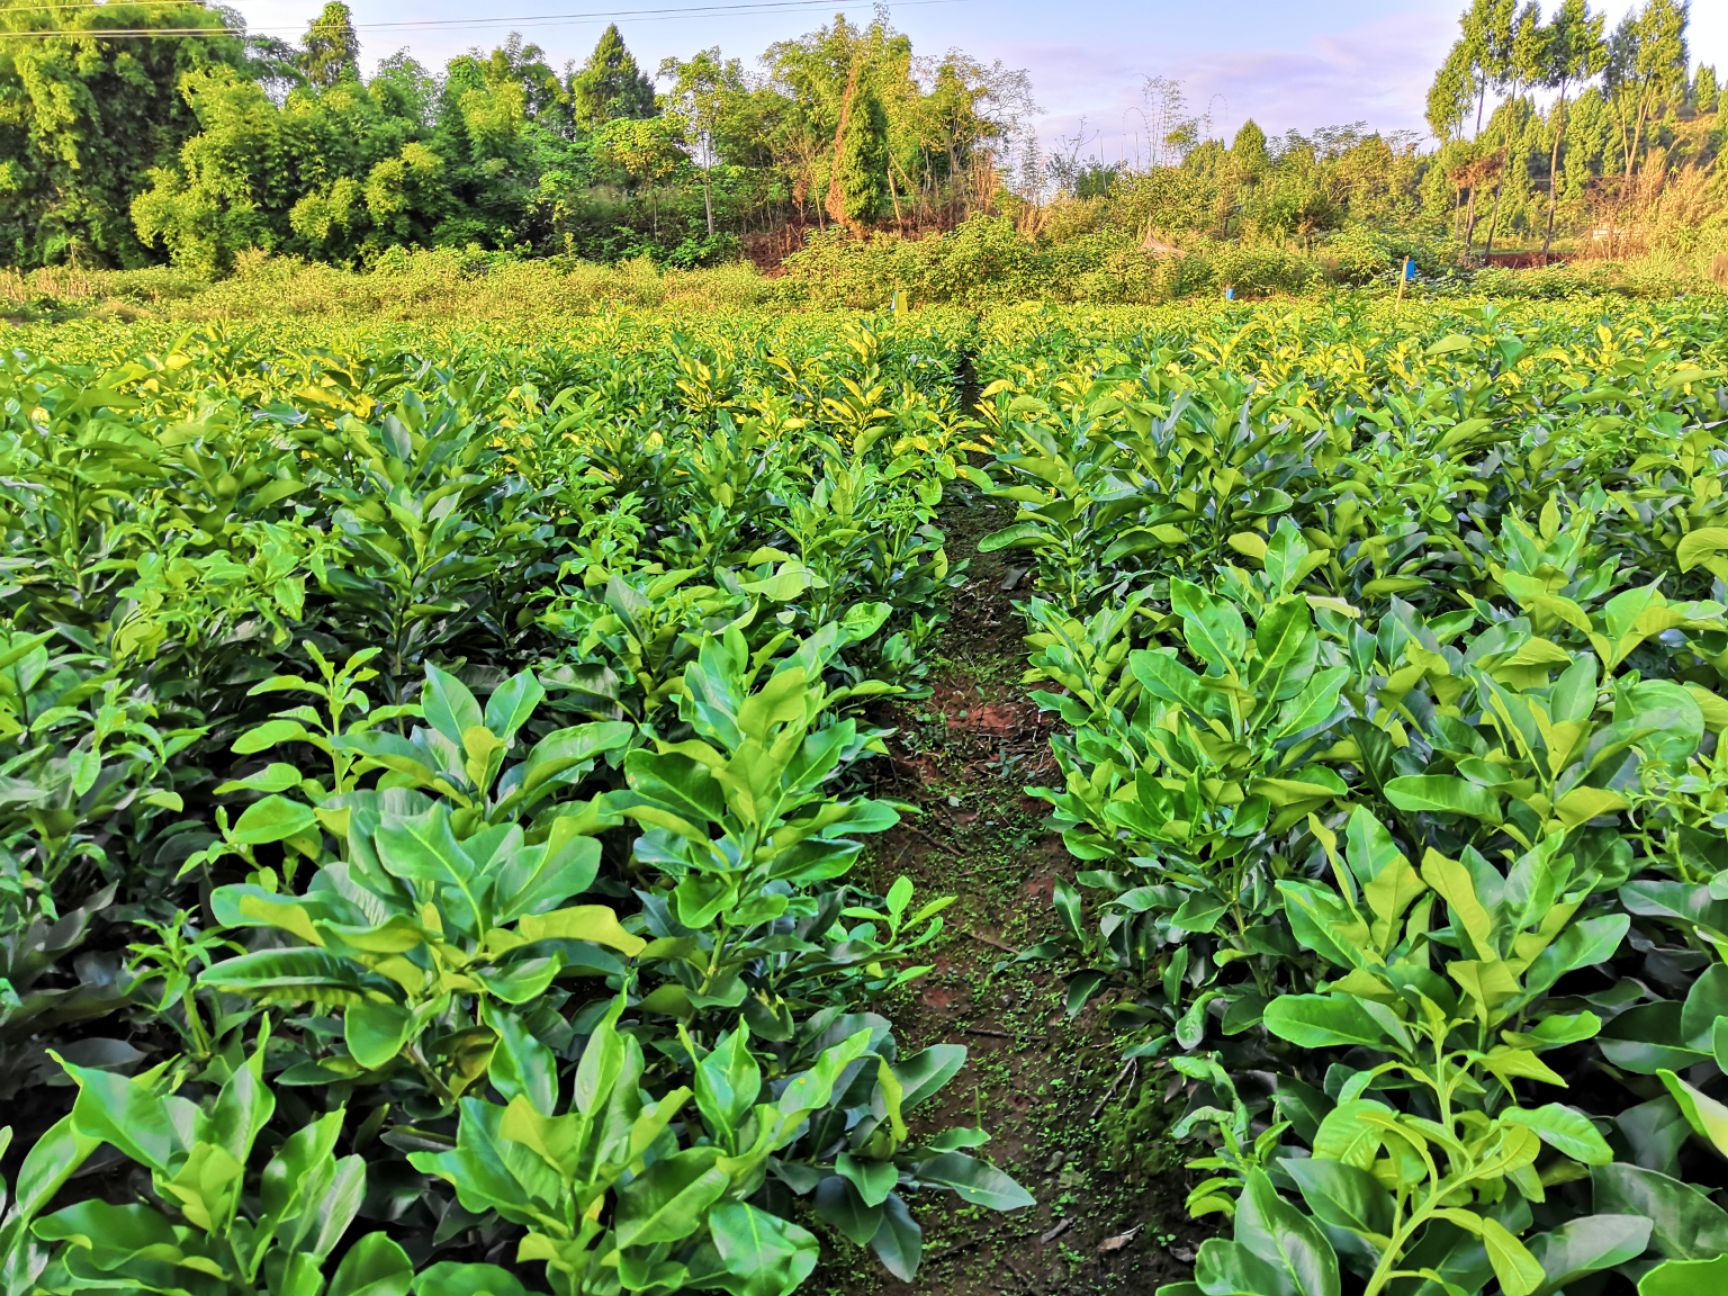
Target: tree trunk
[(1637, 139), (708, 202), (1493, 224), (1470, 222), (911, 186), (1554, 171)]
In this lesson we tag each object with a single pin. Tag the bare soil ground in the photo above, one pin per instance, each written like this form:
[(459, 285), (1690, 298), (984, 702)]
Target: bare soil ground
[(1066, 1119)]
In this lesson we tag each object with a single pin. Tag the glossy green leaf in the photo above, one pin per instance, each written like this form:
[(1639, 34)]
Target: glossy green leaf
[(1684, 1223), (373, 1266), (1285, 1239), (768, 1256), (1587, 1245), (670, 1201), (1563, 1129), (1703, 1113), (1442, 794), (975, 1181), (1685, 1277)]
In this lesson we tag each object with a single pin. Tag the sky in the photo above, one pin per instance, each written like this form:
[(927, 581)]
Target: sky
[(1286, 63)]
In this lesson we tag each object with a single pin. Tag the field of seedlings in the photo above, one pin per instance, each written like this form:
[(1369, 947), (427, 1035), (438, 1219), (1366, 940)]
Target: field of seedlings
[(1227, 802)]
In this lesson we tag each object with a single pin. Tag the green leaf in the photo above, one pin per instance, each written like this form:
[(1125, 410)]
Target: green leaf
[(1685, 1224), (560, 754), (1388, 880), (114, 1235), (1342, 1196), (899, 1242), (728, 1081), (1563, 1129), (1514, 1266), (1586, 1246), (924, 1073), (374, 1266), (449, 1278), (151, 1129), (1324, 1021), (1686, 1278), (511, 703), (1582, 804), (874, 1180), (975, 1181), (537, 878), (448, 705), (1703, 1113), (1167, 679), (1226, 1268), (299, 976), (1701, 546), (768, 1256), (1706, 1005), (595, 923), (1314, 705), (243, 1106), (423, 848), (1442, 794), (21, 647), (50, 1162), (1453, 881), (272, 819), (838, 1202), (1286, 649), (670, 1200), (1352, 1133), (376, 1032), (1020, 535), (521, 1064), (271, 733), (1285, 1238), (1213, 629)]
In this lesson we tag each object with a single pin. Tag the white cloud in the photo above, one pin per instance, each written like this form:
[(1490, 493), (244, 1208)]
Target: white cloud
[(1377, 72)]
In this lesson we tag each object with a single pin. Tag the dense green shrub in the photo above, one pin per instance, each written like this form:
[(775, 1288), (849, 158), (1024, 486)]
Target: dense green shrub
[(430, 797), (1388, 649), (1263, 271), (402, 283)]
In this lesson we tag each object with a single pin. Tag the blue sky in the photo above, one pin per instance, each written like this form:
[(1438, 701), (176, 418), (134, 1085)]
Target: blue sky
[(1285, 63)]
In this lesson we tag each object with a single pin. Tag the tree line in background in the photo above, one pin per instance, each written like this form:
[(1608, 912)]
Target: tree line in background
[(191, 139), (1546, 126), (203, 144)]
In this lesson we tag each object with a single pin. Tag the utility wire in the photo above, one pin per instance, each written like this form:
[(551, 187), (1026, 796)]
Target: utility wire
[(112, 4), (444, 24)]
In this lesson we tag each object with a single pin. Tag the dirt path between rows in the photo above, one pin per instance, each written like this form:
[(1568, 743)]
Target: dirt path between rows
[(1064, 1117)]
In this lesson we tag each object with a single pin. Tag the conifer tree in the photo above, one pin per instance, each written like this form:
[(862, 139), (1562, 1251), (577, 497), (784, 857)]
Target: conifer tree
[(610, 85)]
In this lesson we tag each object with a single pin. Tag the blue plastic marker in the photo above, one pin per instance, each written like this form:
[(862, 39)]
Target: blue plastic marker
[(1409, 276)]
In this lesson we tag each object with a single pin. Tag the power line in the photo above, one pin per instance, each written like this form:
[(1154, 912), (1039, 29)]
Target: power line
[(113, 4), (446, 24)]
